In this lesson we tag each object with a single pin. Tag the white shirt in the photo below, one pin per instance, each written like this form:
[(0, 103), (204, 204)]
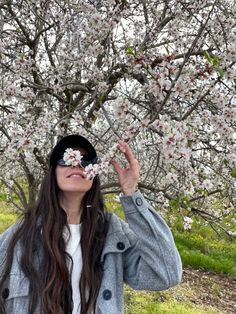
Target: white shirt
[(73, 247)]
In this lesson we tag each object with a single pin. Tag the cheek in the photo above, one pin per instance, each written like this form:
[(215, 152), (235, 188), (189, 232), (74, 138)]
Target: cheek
[(59, 177), (89, 183)]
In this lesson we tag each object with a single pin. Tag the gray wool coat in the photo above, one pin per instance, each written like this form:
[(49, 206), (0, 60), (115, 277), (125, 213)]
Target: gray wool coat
[(140, 252)]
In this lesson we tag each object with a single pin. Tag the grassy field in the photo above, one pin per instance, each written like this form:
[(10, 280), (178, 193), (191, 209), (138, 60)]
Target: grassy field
[(218, 256), (173, 301), (7, 217), (199, 249)]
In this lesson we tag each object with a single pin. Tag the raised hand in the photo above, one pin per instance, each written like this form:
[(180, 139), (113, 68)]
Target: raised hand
[(128, 177)]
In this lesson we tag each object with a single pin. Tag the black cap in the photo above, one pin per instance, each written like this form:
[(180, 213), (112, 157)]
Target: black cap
[(72, 141)]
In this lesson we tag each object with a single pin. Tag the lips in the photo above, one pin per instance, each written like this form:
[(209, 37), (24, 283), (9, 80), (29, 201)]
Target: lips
[(75, 175)]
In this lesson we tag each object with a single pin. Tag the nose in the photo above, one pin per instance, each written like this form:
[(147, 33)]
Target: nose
[(77, 166)]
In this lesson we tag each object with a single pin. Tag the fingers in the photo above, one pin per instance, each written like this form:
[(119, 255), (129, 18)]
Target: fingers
[(116, 166), (128, 176), (124, 147)]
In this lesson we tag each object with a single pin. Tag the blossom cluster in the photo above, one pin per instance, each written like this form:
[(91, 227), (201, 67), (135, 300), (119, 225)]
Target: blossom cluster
[(72, 157), (103, 166), (187, 223)]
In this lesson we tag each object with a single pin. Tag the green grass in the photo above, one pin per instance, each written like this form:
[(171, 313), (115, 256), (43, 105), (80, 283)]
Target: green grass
[(207, 253), (141, 302), (7, 217), (169, 307)]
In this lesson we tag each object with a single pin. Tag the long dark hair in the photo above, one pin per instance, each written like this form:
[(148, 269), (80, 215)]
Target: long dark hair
[(44, 260)]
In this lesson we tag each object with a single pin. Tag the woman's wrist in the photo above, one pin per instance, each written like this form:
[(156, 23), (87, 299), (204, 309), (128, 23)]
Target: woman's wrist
[(129, 191)]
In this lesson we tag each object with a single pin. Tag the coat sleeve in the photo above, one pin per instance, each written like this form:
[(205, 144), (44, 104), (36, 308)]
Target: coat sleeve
[(152, 262), (5, 238)]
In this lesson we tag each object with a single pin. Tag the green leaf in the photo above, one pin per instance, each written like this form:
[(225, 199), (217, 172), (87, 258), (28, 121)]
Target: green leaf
[(207, 56), (190, 143), (215, 62), (220, 71), (20, 150), (225, 161), (102, 98), (233, 173), (201, 190), (174, 203), (130, 51)]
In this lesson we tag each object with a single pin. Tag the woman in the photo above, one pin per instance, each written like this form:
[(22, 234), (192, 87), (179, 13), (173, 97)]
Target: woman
[(68, 255)]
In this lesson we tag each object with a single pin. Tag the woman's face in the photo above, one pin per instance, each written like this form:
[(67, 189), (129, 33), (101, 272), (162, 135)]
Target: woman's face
[(72, 179)]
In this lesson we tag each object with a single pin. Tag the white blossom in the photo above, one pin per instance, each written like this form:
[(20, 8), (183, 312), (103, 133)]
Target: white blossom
[(72, 157), (187, 223)]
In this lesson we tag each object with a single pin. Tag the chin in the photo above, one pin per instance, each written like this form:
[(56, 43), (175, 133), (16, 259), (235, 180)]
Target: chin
[(76, 190)]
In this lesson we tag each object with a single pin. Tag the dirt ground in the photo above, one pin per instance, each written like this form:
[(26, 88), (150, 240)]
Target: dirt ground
[(211, 289)]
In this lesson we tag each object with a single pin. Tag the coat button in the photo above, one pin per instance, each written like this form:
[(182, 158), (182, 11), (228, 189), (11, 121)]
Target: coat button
[(120, 246), (107, 294), (139, 201), (5, 293)]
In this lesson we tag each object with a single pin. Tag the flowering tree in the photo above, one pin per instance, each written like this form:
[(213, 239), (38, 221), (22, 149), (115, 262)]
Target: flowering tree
[(158, 74)]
